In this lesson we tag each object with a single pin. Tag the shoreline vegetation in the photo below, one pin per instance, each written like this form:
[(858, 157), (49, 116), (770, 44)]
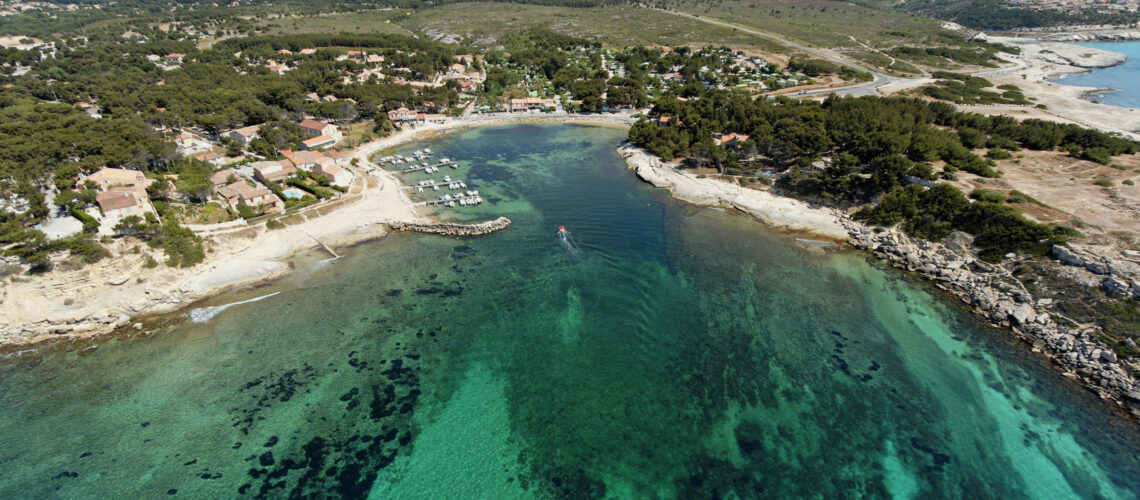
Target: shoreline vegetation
[(117, 294), (988, 290), (983, 287), (846, 169)]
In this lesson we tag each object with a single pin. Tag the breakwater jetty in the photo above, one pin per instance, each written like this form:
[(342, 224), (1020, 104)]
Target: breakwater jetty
[(453, 229)]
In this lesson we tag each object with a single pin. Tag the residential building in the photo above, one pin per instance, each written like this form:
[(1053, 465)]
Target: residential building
[(212, 158), (334, 173), (456, 69), (120, 203), (315, 128), (318, 142), (307, 160), (107, 178), (404, 116), (732, 140), (273, 171), (256, 197), (189, 144), (174, 59), (223, 177), (531, 103), (244, 135)]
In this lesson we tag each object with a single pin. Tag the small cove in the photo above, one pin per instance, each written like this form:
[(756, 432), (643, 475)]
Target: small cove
[(681, 352)]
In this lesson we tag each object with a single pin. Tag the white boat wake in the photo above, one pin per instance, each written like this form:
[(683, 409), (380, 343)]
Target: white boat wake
[(567, 241), (204, 314)]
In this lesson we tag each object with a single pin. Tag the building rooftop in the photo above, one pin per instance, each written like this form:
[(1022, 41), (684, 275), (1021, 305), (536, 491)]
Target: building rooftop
[(114, 200)]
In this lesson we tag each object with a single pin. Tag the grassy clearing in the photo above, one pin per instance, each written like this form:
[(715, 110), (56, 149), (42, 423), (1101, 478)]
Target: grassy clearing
[(824, 23), (356, 134), (615, 26), (380, 21), (876, 59)]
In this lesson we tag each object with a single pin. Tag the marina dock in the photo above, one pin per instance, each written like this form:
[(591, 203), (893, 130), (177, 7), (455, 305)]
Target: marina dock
[(426, 185), (445, 163)]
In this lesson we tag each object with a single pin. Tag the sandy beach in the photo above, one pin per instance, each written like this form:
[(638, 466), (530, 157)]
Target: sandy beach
[(1041, 61), (98, 298)]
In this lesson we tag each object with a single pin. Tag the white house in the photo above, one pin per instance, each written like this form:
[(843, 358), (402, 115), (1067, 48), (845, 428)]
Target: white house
[(245, 135), (316, 129)]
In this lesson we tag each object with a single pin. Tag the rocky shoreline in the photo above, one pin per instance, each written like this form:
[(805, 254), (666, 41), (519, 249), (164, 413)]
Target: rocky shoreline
[(1092, 36), (991, 291), (776, 211), (453, 229), (996, 296)]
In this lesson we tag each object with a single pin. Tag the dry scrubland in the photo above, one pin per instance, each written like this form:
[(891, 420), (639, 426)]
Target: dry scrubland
[(353, 22), (618, 26), (822, 22), (1091, 196)]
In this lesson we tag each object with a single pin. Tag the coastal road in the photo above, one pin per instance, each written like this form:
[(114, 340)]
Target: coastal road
[(861, 89)]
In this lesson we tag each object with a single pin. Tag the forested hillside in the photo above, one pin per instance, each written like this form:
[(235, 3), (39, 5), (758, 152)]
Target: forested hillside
[(850, 151)]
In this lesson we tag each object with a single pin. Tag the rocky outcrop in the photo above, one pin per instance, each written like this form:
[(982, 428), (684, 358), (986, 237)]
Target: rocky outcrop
[(1093, 36), (996, 296), (453, 229), (1081, 57), (776, 211), (1122, 277)]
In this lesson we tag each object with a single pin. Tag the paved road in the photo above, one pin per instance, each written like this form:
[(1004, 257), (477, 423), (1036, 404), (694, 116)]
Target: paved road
[(861, 89)]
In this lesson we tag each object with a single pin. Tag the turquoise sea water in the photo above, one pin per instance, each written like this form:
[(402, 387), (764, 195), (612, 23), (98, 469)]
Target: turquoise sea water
[(670, 352), (1124, 77)]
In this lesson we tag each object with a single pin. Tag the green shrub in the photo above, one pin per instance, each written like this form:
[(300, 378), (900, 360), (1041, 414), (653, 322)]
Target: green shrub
[(988, 195), (1016, 196), (998, 154), (90, 225)]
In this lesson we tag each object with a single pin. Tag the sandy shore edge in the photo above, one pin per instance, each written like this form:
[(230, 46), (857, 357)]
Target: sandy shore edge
[(778, 212), (96, 300)]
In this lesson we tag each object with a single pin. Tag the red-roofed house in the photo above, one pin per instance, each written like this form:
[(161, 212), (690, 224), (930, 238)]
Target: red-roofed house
[(320, 141), (174, 59), (732, 140), (120, 203), (315, 129)]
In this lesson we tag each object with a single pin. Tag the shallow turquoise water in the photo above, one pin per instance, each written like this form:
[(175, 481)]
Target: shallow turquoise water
[(1124, 77), (679, 353)]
